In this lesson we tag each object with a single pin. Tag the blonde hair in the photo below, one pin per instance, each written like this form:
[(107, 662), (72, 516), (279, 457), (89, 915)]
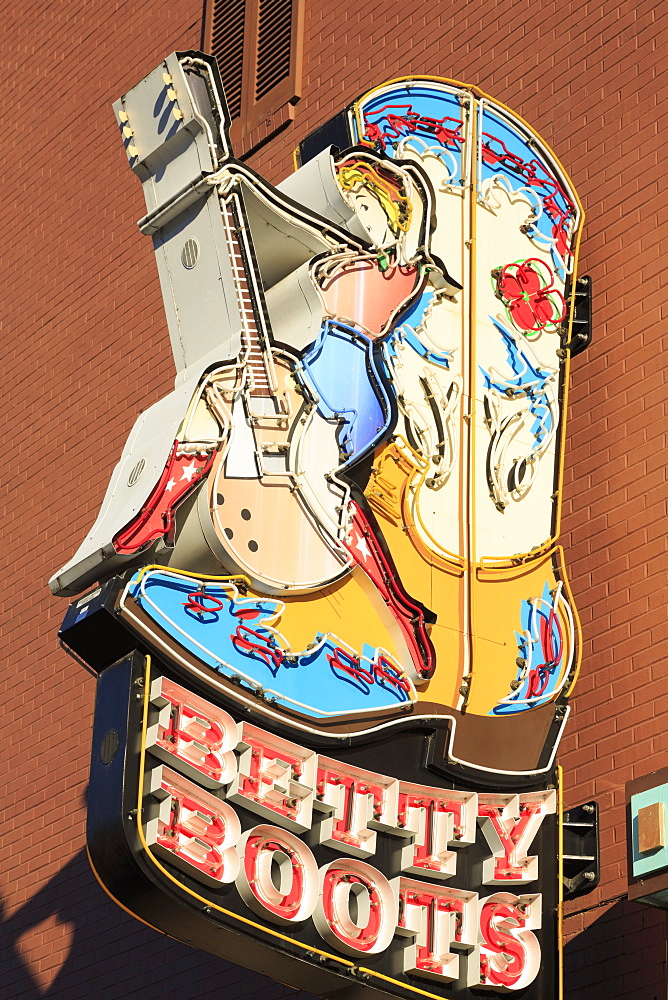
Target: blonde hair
[(387, 186)]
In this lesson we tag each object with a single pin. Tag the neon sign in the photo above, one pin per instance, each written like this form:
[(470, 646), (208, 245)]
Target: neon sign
[(341, 527), (394, 883)]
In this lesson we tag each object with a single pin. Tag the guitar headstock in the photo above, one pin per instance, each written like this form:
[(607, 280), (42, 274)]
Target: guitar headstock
[(176, 121)]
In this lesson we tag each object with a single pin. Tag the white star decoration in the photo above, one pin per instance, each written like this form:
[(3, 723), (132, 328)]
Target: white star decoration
[(170, 485), (363, 547), (189, 471)]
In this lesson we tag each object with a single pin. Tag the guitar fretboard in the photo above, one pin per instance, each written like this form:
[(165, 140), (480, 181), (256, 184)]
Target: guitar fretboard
[(254, 339)]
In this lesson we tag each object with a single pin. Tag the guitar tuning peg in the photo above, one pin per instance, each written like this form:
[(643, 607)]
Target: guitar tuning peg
[(133, 151), (178, 114), (171, 94), (127, 132), (167, 77), (123, 116)]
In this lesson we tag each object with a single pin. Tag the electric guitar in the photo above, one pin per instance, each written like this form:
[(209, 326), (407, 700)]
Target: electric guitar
[(269, 519)]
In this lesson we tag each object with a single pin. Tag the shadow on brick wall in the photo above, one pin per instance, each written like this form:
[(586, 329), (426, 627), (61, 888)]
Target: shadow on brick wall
[(69, 941), (618, 954)]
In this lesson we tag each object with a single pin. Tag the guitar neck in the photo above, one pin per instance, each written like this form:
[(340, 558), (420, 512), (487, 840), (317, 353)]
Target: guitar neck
[(255, 342)]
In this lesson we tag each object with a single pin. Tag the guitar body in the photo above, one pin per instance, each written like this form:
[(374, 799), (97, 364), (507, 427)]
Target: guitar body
[(270, 520)]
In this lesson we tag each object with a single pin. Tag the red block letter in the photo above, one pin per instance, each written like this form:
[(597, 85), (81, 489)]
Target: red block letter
[(510, 823), (357, 911), (510, 953), (192, 735), (440, 919), (358, 803), (437, 818), (276, 779), (193, 829), (279, 875)]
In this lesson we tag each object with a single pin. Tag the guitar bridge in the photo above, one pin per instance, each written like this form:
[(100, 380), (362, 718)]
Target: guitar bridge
[(275, 448), (279, 420)]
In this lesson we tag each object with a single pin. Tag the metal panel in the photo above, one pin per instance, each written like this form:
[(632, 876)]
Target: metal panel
[(141, 464), (201, 301)]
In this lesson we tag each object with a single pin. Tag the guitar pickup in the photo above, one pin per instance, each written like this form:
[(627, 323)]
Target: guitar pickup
[(275, 448)]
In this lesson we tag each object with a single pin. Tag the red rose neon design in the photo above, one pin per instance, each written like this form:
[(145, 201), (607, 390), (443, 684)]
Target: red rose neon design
[(528, 291)]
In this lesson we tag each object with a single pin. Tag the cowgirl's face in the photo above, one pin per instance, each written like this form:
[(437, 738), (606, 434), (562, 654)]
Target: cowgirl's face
[(371, 214)]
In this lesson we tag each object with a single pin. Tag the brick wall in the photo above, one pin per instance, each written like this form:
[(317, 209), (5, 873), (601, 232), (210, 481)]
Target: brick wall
[(85, 347)]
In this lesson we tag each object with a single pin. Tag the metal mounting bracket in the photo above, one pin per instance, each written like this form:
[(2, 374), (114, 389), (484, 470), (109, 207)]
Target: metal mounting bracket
[(581, 868)]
